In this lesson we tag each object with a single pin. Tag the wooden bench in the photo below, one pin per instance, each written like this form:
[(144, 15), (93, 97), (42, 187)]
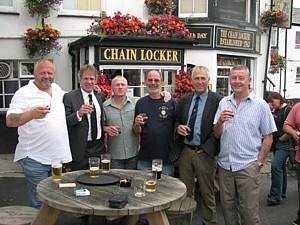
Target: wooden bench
[(17, 215), (180, 210)]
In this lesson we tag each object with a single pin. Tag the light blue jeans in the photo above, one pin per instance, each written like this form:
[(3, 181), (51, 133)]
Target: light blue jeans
[(168, 168), (34, 173)]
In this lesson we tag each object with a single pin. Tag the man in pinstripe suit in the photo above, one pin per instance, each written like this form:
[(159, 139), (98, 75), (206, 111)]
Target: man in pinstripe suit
[(241, 121)]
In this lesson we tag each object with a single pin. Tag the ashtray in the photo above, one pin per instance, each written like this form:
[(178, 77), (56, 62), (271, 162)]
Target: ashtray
[(126, 182)]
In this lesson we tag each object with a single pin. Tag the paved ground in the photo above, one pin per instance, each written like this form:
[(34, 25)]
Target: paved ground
[(13, 192)]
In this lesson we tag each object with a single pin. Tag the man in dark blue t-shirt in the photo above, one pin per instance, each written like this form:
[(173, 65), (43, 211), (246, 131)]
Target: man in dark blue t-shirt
[(154, 120)]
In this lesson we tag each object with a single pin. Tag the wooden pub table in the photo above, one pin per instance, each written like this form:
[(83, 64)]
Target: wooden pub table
[(169, 191)]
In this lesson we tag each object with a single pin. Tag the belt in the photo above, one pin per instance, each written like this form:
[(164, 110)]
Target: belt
[(194, 147)]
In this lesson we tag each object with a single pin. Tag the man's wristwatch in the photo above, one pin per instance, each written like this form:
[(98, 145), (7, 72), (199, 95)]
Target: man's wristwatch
[(261, 165)]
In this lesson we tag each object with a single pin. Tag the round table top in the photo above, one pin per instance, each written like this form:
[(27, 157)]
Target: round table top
[(169, 191)]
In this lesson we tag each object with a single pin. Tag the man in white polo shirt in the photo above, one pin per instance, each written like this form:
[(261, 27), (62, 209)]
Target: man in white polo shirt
[(38, 112)]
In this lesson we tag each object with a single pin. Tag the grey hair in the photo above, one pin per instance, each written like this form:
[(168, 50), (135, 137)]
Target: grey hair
[(200, 68), (241, 67), (87, 67)]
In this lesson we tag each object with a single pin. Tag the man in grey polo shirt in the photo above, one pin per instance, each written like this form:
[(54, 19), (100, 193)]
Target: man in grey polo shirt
[(123, 143)]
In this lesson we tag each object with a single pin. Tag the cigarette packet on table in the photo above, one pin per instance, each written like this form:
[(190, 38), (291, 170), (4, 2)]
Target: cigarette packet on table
[(64, 185), (82, 192)]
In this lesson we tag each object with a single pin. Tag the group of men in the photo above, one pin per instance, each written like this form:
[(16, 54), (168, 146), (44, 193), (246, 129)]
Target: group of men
[(200, 131)]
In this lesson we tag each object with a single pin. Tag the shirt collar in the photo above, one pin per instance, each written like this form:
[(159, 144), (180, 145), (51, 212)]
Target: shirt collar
[(202, 96)]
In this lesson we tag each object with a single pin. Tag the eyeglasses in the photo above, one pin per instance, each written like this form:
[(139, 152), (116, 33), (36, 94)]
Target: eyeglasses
[(155, 80)]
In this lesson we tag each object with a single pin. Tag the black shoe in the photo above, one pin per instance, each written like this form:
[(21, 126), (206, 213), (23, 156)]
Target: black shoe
[(272, 202), (296, 222)]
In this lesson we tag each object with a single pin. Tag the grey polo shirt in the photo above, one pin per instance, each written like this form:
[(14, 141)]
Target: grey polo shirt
[(126, 144)]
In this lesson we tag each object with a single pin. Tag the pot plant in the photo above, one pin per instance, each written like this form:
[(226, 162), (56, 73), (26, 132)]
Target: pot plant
[(183, 84), (158, 7), (41, 40), (278, 62), (41, 7), (273, 17)]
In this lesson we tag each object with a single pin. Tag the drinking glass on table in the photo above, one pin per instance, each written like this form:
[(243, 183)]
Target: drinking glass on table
[(157, 165), (139, 186), (150, 183), (94, 163), (56, 169), (105, 163)]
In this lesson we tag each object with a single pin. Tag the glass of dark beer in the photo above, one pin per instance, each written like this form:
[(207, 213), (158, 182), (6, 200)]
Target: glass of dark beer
[(157, 165)]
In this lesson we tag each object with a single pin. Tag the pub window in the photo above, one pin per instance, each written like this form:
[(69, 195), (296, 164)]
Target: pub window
[(235, 10), (297, 40), (136, 77), (193, 8), (274, 37), (10, 81), (8, 5), (298, 76), (81, 7)]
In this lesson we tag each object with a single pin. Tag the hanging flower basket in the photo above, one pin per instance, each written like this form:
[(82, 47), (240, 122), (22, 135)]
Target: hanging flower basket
[(117, 25), (167, 26), (183, 84), (274, 17), (278, 62), (158, 7), (41, 40), (41, 7), (104, 84)]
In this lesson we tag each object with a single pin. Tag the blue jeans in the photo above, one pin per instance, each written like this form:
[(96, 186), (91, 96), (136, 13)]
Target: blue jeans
[(278, 171), (130, 163), (34, 173), (168, 168)]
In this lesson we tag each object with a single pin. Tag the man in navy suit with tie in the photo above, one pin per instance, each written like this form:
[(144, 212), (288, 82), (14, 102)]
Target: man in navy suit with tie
[(84, 115), (194, 126)]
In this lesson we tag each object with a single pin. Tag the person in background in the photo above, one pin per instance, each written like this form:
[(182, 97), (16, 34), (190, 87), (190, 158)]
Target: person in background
[(280, 148), (291, 127), (241, 121), (123, 143), (38, 112), (156, 127), (85, 130), (198, 153)]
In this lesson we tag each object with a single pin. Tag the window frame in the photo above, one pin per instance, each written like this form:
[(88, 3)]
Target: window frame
[(297, 77), (184, 15), (75, 12), (247, 13), (297, 45), (9, 8), (20, 69)]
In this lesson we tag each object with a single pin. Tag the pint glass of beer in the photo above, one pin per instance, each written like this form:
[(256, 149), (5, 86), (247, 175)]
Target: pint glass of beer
[(157, 165), (56, 169), (150, 182), (94, 166), (105, 163)]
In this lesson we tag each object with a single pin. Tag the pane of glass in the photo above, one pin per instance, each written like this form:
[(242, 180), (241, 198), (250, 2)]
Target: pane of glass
[(222, 86), (27, 68), (1, 101), (186, 6), (132, 76), (233, 10), (1, 87), (10, 86), (24, 82), (7, 100), (69, 4), (200, 6), (82, 5), (95, 5), (297, 37), (6, 3), (111, 73)]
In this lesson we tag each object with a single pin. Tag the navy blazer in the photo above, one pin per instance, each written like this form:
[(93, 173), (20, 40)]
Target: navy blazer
[(209, 143), (78, 131)]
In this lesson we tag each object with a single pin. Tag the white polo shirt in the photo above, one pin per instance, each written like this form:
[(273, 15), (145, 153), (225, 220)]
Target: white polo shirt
[(41, 139)]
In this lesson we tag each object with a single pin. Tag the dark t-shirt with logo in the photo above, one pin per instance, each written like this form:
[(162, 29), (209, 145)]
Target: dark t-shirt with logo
[(157, 138)]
